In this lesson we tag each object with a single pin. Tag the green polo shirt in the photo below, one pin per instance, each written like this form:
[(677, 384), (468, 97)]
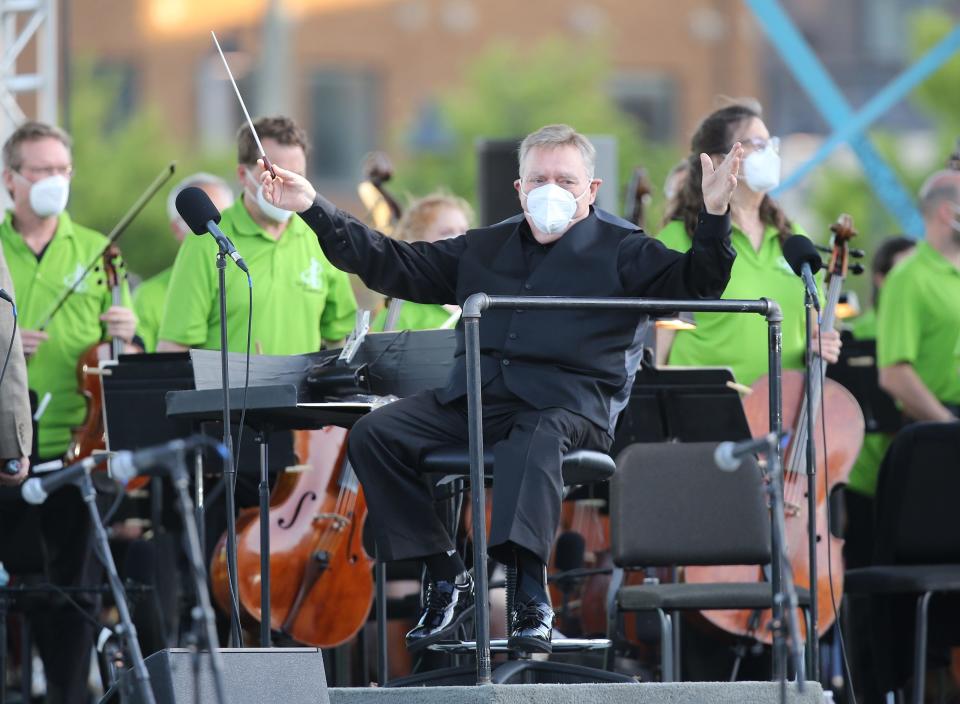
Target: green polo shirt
[(299, 298), (414, 316), (148, 301), (863, 474), (77, 326), (919, 321), (740, 341)]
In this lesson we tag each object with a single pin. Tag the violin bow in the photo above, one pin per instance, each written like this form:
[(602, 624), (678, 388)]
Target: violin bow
[(113, 236)]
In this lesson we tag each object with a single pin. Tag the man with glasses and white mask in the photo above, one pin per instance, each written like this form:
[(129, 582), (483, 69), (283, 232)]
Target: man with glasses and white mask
[(47, 252), (553, 380)]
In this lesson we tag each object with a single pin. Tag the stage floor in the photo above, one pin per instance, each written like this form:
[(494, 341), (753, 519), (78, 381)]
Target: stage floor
[(646, 693)]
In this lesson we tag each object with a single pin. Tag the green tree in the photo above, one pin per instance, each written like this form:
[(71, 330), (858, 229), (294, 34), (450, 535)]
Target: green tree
[(116, 159), (508, 92)]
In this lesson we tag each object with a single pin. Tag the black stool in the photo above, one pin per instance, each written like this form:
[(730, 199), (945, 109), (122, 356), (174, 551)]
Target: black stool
[(579, 467)]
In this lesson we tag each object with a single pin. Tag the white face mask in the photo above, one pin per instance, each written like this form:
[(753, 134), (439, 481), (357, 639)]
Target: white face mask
[(49, 195), (552, 208), (269, 210), (761, 170)]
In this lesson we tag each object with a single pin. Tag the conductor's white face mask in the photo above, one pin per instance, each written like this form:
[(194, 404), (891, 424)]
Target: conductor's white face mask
[(552, 208)]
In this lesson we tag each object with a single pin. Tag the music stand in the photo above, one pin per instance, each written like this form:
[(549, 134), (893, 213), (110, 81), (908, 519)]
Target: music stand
[(857, 371), (281, 397)]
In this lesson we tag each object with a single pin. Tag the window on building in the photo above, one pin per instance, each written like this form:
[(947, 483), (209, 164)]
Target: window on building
[(651, 99), (344, 122), (123, 81)]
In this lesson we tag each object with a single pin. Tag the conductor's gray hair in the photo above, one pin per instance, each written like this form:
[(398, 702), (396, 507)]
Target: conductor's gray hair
[(553, 136)]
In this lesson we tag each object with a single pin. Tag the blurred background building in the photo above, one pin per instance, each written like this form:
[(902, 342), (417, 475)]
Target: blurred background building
[(139, 83)]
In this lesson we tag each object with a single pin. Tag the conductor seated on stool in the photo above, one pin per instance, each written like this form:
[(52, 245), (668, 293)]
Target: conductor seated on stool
[(553, 381)]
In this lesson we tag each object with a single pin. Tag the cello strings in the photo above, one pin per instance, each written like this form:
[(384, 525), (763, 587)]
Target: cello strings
[(833, 600)]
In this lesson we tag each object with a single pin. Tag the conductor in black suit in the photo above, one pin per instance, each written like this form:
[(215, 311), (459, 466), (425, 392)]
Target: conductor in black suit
[(552, 381)]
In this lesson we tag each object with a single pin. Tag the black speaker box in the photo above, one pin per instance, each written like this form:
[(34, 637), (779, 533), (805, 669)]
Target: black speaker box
[(251, 676)]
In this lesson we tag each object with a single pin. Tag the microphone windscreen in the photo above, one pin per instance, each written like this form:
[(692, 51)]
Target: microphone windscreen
[(798, 250), (568, 554), (196, 209)]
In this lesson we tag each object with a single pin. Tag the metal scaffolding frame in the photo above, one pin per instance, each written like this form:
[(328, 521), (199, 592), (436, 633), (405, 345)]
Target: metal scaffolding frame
[(28, 28)]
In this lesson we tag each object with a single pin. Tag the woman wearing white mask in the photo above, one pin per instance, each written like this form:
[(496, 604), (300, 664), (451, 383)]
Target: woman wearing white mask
[(760, 228)]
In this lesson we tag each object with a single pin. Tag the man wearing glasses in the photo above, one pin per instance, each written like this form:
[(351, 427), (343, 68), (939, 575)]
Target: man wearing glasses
[(47, 252)]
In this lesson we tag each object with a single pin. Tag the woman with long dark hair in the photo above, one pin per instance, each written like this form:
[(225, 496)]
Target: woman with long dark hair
[(760, 227)]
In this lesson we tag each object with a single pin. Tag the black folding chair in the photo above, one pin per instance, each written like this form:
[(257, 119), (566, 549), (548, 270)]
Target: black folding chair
[(917, 548), (670, 506)]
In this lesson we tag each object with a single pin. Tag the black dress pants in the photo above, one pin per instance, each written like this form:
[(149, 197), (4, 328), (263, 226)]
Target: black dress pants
[(385, 448)]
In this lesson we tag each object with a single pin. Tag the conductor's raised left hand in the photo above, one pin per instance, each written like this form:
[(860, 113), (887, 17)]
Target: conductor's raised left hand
[(720, 182)]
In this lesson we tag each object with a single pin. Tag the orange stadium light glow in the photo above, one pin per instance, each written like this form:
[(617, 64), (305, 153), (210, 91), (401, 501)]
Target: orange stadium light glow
[(184, 17)]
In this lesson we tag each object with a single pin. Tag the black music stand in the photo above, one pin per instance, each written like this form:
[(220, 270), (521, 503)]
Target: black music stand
[(857, 371), (281, 397)]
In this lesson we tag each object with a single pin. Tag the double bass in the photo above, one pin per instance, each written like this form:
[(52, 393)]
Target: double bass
[(843, 427)]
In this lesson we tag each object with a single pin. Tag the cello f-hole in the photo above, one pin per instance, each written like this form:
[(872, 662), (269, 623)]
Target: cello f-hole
[(282, 522)]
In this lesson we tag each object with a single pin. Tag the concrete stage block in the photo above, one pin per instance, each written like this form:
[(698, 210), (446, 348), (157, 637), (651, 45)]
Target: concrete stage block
[(646, 693)]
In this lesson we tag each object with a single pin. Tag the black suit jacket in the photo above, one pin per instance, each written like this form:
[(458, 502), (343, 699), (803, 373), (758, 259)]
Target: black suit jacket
[(580, 360)]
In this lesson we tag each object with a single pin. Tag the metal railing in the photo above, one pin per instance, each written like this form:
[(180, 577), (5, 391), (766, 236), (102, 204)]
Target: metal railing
[(473, 309)]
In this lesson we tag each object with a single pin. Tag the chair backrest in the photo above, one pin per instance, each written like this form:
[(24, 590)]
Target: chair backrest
[(918, 491), (670, 505)]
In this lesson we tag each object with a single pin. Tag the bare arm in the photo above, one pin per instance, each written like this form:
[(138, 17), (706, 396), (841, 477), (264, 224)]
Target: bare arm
[(901, 382), (665, 340), (168, 346)]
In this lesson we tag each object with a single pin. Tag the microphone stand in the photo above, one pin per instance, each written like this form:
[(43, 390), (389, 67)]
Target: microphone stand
[(229, 472), (203, 628), (786, 597), (811, 461), (126, 630)]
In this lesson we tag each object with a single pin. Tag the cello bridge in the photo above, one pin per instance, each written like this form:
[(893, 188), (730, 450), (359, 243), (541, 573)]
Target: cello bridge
[(337, 521)]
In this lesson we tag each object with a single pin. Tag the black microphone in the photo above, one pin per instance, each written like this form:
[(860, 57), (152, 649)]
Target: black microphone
[(126, 464), (801, 255), (202, 216), (36, 489), (6, 296), (729, 455)]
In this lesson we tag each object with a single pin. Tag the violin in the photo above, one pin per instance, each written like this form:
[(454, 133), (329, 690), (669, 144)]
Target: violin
[(844, 429), (639, 194), (90, 436)]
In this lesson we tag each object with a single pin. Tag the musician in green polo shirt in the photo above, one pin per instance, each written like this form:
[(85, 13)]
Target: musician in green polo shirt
[(300, 301), (759, 229), (918, 323), (47, 253), (428, 219), (150, 296), (299, 298)]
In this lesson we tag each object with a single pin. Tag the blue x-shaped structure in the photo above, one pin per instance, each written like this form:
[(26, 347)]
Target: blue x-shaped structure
[(849, 126)]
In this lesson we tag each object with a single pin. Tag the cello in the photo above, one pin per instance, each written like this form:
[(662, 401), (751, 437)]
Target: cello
[(842, 424)]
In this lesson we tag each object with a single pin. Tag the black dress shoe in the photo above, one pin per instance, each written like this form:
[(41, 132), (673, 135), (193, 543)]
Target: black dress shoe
[(532, 628), (448, 604)]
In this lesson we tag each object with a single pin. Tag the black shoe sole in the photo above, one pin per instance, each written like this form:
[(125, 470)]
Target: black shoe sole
[(419, 644), (528, 644)]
